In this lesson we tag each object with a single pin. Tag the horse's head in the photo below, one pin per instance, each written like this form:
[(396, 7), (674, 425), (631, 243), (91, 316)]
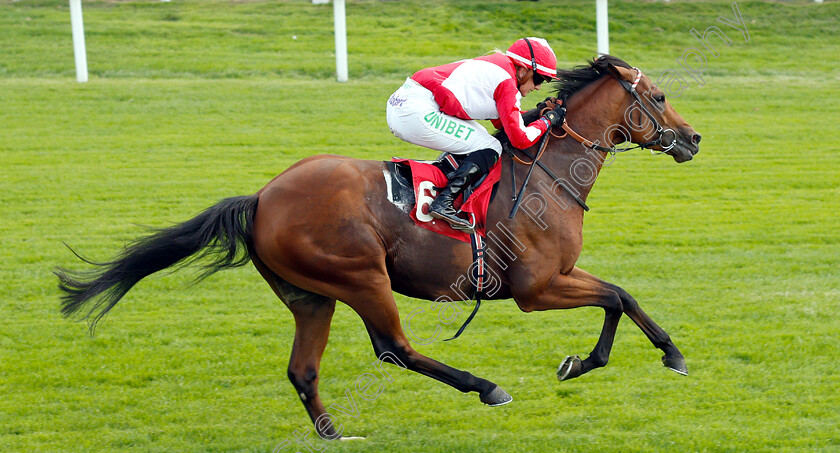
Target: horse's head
[(651, 120)]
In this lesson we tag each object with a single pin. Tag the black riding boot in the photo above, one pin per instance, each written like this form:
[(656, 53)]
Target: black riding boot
[(442, 207)]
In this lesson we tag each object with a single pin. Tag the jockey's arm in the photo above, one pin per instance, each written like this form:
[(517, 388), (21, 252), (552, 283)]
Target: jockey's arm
[(510, 117)]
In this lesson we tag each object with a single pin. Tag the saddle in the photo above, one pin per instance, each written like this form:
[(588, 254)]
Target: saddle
[(413, 185)]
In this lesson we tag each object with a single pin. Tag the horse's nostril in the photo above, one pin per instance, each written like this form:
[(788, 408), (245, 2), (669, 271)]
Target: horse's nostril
[(695, 138)]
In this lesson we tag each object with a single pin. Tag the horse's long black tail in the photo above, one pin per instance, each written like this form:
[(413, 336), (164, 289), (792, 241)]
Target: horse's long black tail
[(221, 233)]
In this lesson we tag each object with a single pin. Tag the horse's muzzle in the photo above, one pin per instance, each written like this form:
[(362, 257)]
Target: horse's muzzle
[(686, 147)]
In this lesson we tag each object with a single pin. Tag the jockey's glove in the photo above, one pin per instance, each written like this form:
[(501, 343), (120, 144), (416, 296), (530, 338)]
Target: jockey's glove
[(554, 117)]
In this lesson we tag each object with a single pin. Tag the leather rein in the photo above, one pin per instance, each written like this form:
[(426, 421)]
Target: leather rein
[(568, 131)]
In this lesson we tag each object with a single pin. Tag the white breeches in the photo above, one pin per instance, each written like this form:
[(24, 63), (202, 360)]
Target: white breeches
[(414, 116)]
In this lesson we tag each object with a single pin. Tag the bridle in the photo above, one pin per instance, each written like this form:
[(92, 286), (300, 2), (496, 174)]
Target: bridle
[(535, 161), (658, 141)]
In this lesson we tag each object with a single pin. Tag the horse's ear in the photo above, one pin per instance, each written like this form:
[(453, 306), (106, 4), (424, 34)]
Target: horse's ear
[(619, 72)]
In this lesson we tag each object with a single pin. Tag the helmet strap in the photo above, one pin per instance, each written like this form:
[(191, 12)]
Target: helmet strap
[(533, 60)]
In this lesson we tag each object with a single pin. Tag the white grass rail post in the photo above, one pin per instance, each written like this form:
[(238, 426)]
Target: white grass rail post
[(603, 26), (339, 17), (79, 40)]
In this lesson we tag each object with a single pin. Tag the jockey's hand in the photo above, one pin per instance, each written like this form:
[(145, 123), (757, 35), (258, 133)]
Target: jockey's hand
[(549, 103), (554, 117)]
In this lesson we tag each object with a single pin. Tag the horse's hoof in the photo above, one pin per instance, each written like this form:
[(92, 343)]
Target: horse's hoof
[(676, 364), (496, 397), (570, 368)]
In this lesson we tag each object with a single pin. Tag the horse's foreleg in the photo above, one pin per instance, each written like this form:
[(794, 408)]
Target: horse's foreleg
[(673, 358), (573, 366), (578, 289), (378, 310), (581, 289)]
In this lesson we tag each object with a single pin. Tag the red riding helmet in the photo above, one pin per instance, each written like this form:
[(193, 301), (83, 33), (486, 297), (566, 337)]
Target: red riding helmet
[(536, 54)]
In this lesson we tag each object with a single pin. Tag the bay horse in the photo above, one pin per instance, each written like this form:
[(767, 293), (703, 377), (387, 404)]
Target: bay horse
[(324, 230)]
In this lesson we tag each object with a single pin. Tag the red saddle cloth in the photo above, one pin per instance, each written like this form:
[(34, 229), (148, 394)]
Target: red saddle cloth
[(425, 177)]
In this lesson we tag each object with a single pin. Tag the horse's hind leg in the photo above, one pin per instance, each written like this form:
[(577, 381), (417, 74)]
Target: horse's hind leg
[(378, 310), (312, 330), (313, 314)]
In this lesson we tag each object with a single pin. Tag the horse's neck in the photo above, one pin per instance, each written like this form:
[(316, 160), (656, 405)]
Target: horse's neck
[(577, 164)]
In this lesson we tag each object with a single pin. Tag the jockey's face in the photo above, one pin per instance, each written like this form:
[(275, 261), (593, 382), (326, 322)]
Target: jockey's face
[(525, 81)]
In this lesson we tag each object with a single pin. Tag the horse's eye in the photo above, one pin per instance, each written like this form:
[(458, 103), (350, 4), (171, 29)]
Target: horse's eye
[(660, 98)]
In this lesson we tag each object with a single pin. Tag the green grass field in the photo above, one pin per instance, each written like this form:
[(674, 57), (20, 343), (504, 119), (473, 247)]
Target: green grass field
[(735, 254)]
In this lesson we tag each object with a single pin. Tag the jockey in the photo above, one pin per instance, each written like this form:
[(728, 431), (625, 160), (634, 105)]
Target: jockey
[(437, 108)]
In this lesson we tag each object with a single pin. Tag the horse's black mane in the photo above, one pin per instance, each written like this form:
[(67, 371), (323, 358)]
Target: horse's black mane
[(571, 81)]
